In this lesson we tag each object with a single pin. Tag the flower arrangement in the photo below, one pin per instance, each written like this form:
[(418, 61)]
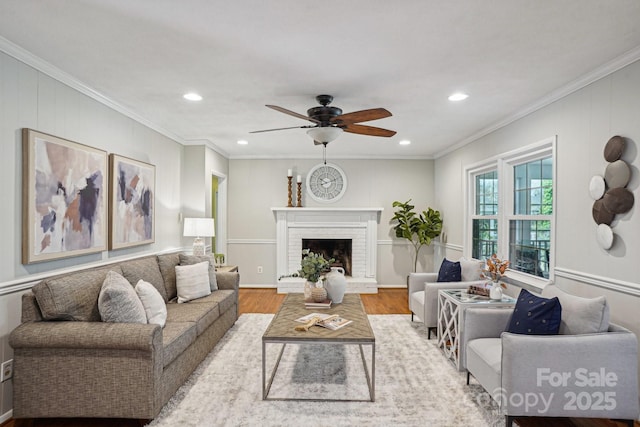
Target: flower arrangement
[(313, 266), (495, 269)]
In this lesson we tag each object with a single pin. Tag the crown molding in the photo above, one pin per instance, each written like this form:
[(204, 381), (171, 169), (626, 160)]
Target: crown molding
[(608, 68), (45, 67)]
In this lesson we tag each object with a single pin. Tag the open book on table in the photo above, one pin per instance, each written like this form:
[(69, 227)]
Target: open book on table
[(329, 321)]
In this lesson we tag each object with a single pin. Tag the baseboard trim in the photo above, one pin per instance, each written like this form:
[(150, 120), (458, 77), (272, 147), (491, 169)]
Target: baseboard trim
[(628, 288), (6, 416)]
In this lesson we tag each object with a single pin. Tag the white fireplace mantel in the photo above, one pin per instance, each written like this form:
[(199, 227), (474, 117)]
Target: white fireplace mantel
[(358, 224)]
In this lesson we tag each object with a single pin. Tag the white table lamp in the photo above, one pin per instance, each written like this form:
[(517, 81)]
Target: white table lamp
[(199, 228)]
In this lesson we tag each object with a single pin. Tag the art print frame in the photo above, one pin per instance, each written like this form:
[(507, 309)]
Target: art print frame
[(64, 198), (132, 193)]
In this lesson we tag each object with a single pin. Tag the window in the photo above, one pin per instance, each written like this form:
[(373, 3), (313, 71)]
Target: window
[(530, 219), (510, 209), (485, 221)]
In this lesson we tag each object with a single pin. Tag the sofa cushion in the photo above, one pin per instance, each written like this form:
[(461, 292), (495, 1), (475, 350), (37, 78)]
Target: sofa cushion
[(471, 269), (194, 259), (146, 269), (580, 315), (203, 315), (154, 306), (534, 315), (449, 271), (73, 296), (176, 337), (224, 298), (118, 301), (167, 264)]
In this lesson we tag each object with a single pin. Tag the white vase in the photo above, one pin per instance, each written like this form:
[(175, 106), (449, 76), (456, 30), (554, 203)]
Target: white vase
[(336, 284), (495, 292)]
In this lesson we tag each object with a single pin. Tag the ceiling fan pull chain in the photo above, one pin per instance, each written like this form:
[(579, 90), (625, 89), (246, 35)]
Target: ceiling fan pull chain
[(324, 152)]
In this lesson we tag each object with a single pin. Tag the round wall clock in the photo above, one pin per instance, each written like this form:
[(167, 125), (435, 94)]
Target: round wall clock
[(326, 182)]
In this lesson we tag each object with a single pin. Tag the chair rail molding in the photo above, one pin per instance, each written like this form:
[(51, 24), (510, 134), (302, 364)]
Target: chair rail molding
[(622, 286)]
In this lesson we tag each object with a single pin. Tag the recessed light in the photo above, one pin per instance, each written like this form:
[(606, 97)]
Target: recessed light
[(459, 96), (404, 142), (242, 142), (192, 96)]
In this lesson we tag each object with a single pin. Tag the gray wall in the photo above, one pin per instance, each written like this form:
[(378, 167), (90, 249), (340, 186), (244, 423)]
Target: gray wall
[(255, 186), (583, 122), (29, 98)]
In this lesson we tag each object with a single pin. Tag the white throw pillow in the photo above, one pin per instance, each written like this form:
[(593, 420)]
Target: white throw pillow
[(192, 281), (153, 303), (118, 301), (194, 259), (471, 269)]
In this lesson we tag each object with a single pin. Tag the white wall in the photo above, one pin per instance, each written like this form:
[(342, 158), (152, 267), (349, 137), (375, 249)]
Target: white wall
[(31, 99), (257, 185), (583, 122)]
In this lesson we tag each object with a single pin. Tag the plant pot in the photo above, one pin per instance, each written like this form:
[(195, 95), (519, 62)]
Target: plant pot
[(495, 292), (336, 284), (318, 294)]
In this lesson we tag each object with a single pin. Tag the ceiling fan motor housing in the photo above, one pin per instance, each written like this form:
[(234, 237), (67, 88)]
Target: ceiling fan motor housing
[(324, 114)]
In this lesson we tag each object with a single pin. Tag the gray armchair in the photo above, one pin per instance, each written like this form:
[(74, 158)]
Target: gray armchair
[(573, 374), (424, 287)]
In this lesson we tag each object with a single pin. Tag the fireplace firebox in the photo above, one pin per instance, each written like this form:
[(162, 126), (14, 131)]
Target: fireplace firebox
[(338, 249)]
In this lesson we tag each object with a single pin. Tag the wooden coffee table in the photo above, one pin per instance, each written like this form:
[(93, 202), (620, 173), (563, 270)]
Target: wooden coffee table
[(281, 330)]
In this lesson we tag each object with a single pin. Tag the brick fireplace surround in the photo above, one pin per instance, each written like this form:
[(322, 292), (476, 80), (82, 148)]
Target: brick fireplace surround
[(358, 224)]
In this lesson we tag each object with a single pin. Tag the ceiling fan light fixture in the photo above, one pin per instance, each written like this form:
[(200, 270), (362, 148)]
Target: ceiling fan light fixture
[(324, 134)]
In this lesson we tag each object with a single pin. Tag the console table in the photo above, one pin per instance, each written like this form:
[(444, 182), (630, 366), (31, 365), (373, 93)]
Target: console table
[(452, 304)]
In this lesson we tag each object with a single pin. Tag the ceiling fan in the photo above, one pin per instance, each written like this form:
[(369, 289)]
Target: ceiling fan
[(330, 122)]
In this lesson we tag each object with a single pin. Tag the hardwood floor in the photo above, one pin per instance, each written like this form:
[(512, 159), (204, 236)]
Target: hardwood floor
[(386, 301)]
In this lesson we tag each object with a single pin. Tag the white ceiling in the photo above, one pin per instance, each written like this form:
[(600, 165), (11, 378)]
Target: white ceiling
[(406, 56)]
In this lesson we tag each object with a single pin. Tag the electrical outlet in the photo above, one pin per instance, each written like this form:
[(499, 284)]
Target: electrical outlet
[(259, 269), (7, 371)]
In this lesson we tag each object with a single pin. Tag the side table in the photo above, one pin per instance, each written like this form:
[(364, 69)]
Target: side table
[(227, 268), (452, 304)]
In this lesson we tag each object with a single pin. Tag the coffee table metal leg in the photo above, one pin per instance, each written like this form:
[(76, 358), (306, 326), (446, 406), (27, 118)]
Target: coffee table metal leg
[(265, 390), (371, 379)]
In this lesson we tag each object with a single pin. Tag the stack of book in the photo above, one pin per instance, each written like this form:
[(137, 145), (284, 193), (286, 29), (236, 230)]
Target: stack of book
[(478, 290), (311, 304)]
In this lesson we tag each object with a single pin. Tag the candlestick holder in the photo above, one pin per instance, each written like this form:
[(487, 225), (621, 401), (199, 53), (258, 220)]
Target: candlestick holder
[(299, 194), (289, 197)]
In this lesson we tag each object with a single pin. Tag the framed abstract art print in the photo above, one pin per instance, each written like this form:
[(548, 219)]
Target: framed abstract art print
[(132, 193), (64, 198)]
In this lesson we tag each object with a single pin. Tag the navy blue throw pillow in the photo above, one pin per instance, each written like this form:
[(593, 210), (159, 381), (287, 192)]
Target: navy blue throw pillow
[(535, 315), (449, 271)]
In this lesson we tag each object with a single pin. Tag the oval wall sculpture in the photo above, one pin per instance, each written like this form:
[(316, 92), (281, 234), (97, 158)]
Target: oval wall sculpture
[(610, 194)]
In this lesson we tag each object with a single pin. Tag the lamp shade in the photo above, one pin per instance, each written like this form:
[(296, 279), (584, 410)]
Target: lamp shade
[(324, 134), (199, 227)]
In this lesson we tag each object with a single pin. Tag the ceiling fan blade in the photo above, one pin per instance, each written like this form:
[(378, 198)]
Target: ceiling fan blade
[(293, 113), (271, 130), (368, 130), (362, 116)]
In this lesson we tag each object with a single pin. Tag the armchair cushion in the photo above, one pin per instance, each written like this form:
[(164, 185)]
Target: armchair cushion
[(580, 315), (449, 271), (535, 315), (471, 269)]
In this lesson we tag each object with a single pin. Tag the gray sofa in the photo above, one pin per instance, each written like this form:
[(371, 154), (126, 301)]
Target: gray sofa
[(68, 363), (590, 369)]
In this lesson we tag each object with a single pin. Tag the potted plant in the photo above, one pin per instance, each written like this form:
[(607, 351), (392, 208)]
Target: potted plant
[(419, 229), (313, 266)]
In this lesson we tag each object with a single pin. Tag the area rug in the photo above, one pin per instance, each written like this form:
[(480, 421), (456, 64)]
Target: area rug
[(414, 384)]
